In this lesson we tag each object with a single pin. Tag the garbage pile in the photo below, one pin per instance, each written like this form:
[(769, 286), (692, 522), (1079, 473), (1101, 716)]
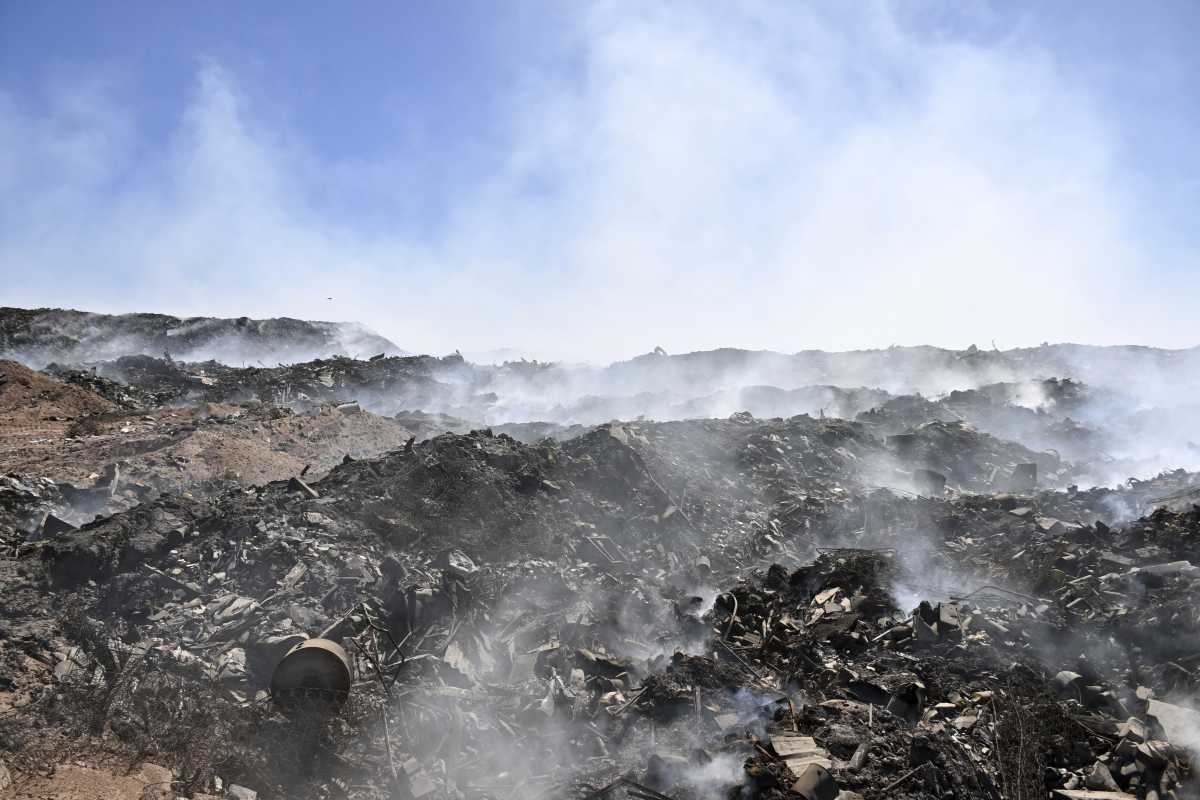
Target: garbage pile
[(1109, 429), (110, 446), (789, 608), (127, 396), (416, 577), (387, 383), (27, 503), (41, 335), (1035, 413)]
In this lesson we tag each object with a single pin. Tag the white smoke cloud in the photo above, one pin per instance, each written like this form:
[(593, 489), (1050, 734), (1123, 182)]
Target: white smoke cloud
[(766, 176)]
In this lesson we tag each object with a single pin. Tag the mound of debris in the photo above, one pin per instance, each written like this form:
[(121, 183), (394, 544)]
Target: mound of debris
[(699, 609), (39, 336), (127, 396), (1035, 414), (107, 451), (1108, 429), (383, 384), (123, 458), (419, 578), (29, 398)]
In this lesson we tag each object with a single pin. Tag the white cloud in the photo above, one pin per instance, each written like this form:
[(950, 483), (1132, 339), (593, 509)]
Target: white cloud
[(773, 176)]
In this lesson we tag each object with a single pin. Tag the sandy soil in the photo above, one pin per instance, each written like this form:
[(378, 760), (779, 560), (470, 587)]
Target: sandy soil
[(77, 782), (56, 430)]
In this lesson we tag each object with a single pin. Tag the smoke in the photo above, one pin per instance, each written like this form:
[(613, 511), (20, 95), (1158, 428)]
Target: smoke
[(73, 337), (714, 779), (765, 175), (1185, 725)]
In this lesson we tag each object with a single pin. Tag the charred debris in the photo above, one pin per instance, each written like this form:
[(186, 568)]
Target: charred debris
[(895, 605), (41, 335)]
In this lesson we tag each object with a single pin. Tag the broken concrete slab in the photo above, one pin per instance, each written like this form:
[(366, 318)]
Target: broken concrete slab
[(800, 751)]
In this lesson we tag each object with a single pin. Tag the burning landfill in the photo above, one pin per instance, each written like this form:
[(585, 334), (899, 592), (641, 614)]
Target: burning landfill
[(379, 575)]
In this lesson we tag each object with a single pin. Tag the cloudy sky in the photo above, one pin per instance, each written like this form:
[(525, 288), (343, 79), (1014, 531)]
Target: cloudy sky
[(596, 179)]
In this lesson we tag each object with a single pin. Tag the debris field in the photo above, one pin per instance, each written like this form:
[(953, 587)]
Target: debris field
[(313, 581)]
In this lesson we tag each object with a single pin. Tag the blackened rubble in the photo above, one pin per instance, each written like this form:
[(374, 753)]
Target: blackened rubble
[(1049, 398), (246, 582), (1095, 432), (400, 379), (43, 335), (734, 607)]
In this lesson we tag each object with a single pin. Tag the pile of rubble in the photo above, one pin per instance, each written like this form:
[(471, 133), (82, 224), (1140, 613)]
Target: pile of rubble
[(715, 608), (389, 578), (1035, 413), (41, 335), (386, 383), (109, 448), (1107, 432)]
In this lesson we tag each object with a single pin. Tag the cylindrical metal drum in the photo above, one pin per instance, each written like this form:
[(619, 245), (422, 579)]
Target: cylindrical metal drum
[(316, 672)]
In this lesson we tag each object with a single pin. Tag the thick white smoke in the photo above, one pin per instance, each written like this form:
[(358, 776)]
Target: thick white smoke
[(758, 175)]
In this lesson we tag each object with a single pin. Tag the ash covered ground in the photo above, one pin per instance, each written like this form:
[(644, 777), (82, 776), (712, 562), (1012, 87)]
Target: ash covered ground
[(903, 573)]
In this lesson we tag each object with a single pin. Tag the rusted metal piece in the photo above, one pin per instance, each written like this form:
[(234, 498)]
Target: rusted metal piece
[(314, 673)]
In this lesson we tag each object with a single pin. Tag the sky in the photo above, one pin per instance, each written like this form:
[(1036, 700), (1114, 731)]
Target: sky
[(593, 180)]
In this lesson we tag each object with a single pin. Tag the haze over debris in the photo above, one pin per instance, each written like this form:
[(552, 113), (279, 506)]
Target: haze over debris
[(742, 400), (901, 573), (40, 336)]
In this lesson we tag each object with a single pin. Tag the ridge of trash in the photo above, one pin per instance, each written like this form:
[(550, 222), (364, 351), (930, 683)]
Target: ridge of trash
[(651, 608), (395, 577)]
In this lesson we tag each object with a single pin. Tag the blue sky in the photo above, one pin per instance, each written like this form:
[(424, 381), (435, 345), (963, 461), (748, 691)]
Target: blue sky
[(595, 179)]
